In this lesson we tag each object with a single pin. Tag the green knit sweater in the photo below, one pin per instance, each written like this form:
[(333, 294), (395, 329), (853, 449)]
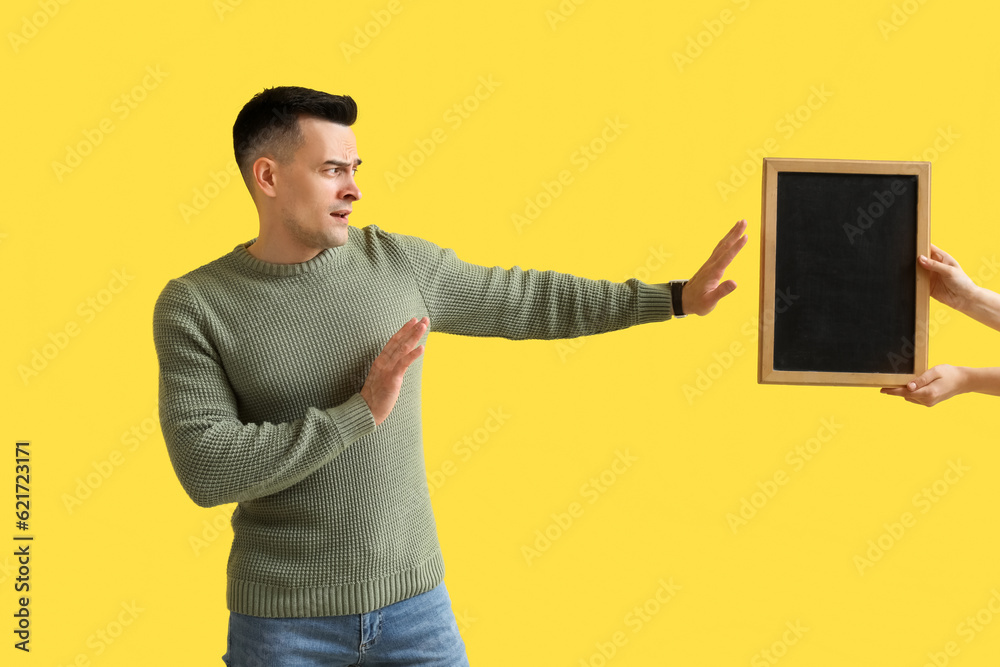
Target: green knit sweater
[(261, 366)]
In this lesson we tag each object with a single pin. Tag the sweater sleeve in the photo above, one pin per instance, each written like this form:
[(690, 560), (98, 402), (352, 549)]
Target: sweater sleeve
[(472, 300), (218, 458)]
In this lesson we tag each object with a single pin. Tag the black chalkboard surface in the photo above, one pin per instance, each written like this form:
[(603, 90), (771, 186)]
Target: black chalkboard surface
[(843, 301)]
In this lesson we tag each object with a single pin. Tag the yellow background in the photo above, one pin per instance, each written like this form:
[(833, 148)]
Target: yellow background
[(896, 78)]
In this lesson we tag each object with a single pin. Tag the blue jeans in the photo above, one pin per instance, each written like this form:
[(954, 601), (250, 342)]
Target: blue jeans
[(418, 631)]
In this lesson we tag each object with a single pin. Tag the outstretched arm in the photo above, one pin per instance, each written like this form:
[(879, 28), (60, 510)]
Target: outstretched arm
[(471, 300)]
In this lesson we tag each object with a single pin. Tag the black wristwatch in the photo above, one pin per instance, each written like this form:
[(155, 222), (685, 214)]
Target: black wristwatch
[(676, 297)]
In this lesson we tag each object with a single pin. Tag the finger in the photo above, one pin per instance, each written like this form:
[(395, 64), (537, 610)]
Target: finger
[(403, 340), (721, 258), (924, 397), (904, 391), (923, 379), (726, 259), (942, 256), (400, 366), (935, 266), (731, 237), (736, 231), (398, 339), (413, 331), (415, 328), (739, 228), (710, 299), (409, 358), (724, 289)]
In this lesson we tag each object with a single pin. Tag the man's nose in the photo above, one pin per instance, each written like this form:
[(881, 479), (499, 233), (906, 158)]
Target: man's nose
[(352, 191)]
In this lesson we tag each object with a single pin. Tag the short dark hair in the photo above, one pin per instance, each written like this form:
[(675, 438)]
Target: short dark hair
[(269, 123)]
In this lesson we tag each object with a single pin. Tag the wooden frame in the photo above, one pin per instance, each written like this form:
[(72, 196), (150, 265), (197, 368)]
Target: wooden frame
[(816, 196)]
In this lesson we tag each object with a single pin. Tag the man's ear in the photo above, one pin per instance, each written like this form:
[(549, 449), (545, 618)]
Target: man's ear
[(265, 176)]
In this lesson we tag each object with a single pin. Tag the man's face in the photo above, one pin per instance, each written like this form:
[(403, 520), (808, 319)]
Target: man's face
[(315, 191)]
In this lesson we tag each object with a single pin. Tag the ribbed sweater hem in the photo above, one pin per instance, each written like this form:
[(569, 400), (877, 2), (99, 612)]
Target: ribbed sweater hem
[(254, 599)]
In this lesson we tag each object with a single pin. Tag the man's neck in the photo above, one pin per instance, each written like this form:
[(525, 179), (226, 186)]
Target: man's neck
[(273, 252)]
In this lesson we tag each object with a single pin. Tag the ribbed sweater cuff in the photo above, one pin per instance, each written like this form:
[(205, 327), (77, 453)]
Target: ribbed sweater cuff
[(352, 418), (654, 303)]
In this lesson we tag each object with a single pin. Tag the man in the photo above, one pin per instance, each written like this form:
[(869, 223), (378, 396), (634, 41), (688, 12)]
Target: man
[(284, 387)]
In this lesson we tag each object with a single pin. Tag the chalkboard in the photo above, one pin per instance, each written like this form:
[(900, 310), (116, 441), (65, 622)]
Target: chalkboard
[(843, 301)]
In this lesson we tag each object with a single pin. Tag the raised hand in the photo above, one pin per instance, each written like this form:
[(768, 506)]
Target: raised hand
[(385, 378), (706, 287)]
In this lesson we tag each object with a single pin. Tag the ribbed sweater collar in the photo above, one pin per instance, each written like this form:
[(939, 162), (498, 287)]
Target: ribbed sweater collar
[(251, 263)]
